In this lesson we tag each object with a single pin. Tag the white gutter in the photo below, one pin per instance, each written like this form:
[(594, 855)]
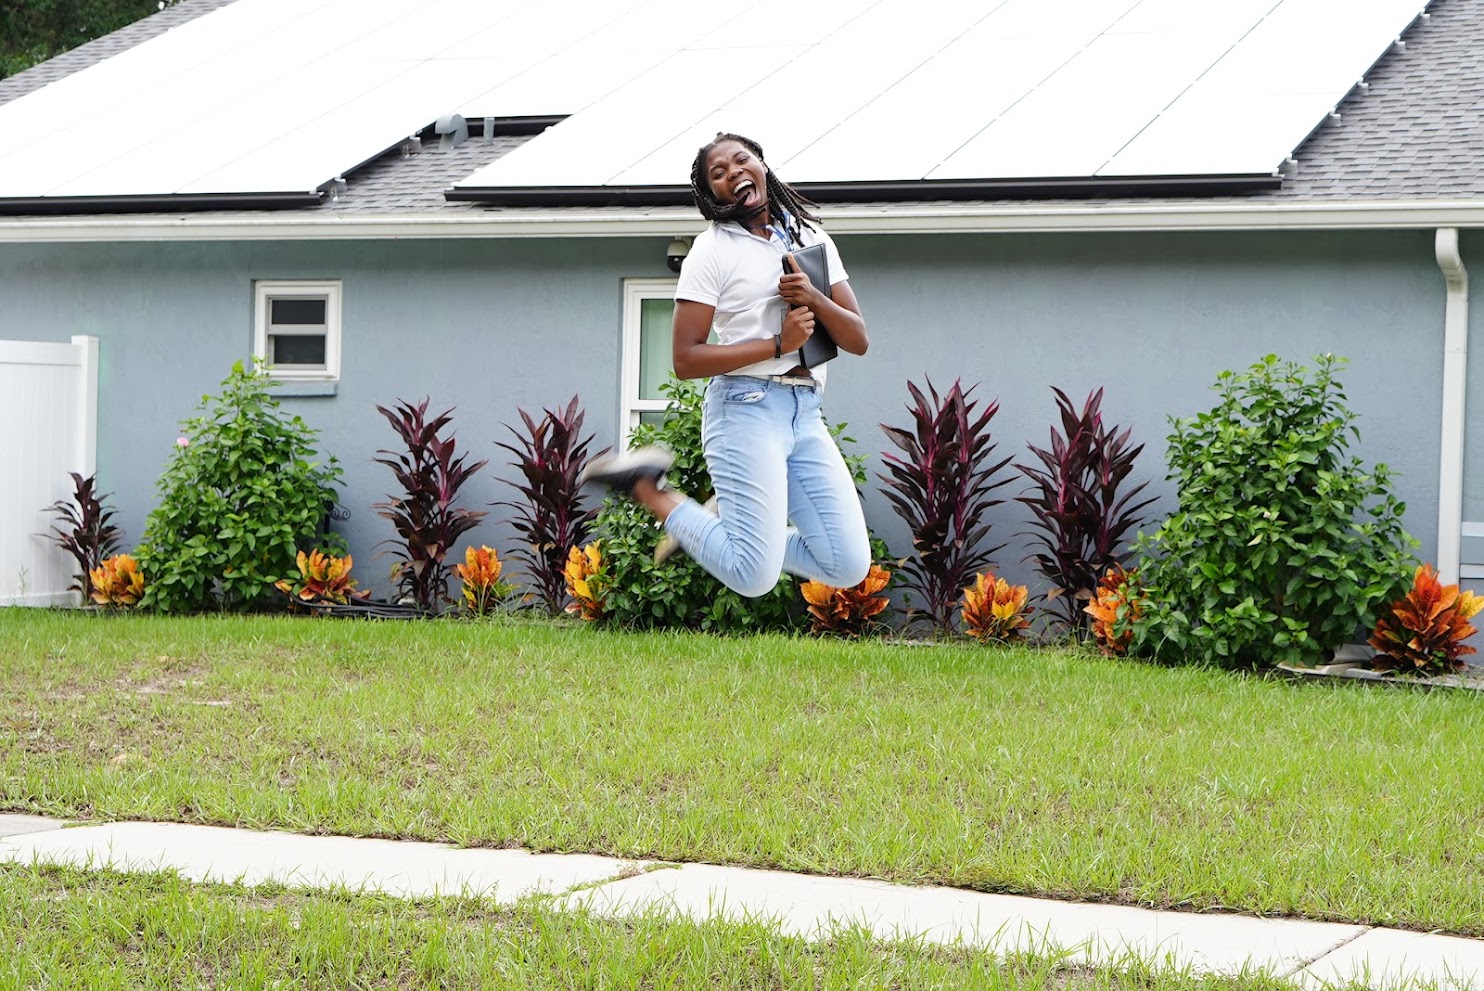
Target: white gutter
[(1455, 382), (669, 222)]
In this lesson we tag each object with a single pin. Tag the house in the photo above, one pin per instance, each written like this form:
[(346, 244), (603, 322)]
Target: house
[(1079, 194)]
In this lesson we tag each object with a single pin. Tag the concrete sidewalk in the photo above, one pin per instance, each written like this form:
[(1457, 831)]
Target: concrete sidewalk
[(1312, 953)]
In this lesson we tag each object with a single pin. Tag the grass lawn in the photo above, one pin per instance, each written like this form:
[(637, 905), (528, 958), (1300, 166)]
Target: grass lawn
[(1031, 771)]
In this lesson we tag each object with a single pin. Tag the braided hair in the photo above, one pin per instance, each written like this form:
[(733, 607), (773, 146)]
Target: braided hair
[(780, 194)]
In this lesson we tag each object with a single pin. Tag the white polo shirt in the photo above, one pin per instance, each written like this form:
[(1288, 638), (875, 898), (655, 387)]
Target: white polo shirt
[(737, 272)]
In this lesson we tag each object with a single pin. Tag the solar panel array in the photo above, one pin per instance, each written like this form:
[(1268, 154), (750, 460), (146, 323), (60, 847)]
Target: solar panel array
[(934, 89), (270, 96)]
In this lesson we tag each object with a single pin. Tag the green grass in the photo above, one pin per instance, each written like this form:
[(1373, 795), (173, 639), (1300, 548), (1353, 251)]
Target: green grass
[(1046, 772), (68, 928)]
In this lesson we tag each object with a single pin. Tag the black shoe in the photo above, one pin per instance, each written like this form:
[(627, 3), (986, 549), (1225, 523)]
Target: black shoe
[(621, 471)]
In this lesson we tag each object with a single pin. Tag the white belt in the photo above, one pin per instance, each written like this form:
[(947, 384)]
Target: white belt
[(793, 380)]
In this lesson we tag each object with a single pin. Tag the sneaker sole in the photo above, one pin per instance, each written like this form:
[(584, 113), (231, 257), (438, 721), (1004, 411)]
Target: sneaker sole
[(614, 474)]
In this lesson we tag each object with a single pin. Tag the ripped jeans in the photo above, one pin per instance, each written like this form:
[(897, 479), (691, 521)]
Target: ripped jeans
[(786, 501)]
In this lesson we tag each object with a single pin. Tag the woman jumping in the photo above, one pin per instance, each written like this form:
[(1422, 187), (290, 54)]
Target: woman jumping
[(785, 501)]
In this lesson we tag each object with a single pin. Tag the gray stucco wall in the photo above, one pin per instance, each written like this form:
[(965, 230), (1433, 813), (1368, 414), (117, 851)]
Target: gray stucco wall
[(1471, 246), (489, 326), (1153, 319), (485, 327)]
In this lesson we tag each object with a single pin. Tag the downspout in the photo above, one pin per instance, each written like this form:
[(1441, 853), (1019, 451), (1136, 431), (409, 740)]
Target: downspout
[(1455, 381)]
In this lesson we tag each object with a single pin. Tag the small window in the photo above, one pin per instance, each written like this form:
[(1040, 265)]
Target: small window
[(649, 306), (297, 329)]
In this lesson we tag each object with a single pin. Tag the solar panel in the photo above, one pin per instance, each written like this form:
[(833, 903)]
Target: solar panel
[(1031, 89), (112, 129), (270, 95), (1104, 94), (239, 82), (529, 29), (1232, 17), (1269, 91), (834, 77), (264, 96), (921, 120), (346, 135), (582, 67), (1222, 134), (568, 156), (223, 133), (782, 22)]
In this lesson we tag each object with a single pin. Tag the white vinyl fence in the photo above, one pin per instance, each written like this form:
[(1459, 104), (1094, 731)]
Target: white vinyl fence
[(50, 428)]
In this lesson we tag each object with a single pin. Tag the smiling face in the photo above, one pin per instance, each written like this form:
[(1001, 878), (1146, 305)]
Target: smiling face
[(736, 175)]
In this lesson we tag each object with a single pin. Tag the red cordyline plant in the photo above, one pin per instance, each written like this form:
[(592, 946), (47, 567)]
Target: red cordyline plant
[(426, 519), (1424, 631), (1081, 519), (847, 612), (941, 488), (86, 532), (552, 518)]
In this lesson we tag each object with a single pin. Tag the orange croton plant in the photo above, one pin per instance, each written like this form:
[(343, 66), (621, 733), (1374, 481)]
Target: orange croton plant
[(586, 579), (117, 582), (847, 611), (993, 609), (480, 574), (1117, 603), (1424, 632), (323, 578)]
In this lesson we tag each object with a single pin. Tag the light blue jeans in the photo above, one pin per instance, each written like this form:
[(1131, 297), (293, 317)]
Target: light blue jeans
[(773, 463)]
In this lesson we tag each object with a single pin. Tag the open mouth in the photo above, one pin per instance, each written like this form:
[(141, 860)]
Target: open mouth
[(745, 191)]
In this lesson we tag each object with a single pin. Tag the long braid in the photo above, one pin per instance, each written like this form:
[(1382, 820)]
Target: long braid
[(781, 196), (794, 202)]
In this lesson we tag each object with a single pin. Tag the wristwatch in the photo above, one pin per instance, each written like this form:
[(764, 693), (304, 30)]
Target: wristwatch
[(778, 345)]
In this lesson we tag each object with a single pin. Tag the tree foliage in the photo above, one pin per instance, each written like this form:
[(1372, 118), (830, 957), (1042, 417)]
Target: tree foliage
[(33, 31)]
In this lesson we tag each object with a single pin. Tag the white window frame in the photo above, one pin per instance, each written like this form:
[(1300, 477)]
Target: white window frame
[(331, 292), (635, 292)]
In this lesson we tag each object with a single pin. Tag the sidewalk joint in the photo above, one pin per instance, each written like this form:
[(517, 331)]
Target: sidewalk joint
[(631, 870), (1304, 965)]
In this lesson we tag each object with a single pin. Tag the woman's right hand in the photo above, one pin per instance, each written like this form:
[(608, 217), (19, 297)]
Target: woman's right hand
[(798, 326)]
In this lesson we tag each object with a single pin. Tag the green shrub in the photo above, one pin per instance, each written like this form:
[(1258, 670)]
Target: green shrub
[(239, 498), (1283, 546)]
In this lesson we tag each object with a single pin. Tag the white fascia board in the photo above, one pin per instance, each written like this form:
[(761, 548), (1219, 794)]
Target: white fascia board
[(677, 221)]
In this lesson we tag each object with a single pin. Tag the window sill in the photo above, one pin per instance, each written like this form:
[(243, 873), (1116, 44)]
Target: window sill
[(296, 389)]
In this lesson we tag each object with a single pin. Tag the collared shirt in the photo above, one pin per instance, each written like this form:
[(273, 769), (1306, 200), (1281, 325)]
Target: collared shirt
[(737, 272)]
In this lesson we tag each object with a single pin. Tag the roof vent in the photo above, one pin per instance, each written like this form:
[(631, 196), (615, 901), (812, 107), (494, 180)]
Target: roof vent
[(452, 131)]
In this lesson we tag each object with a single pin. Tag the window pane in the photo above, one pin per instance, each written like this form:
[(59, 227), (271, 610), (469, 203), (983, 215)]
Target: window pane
[(654, 345), (297, 310), (302, 350), (654, 416)]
